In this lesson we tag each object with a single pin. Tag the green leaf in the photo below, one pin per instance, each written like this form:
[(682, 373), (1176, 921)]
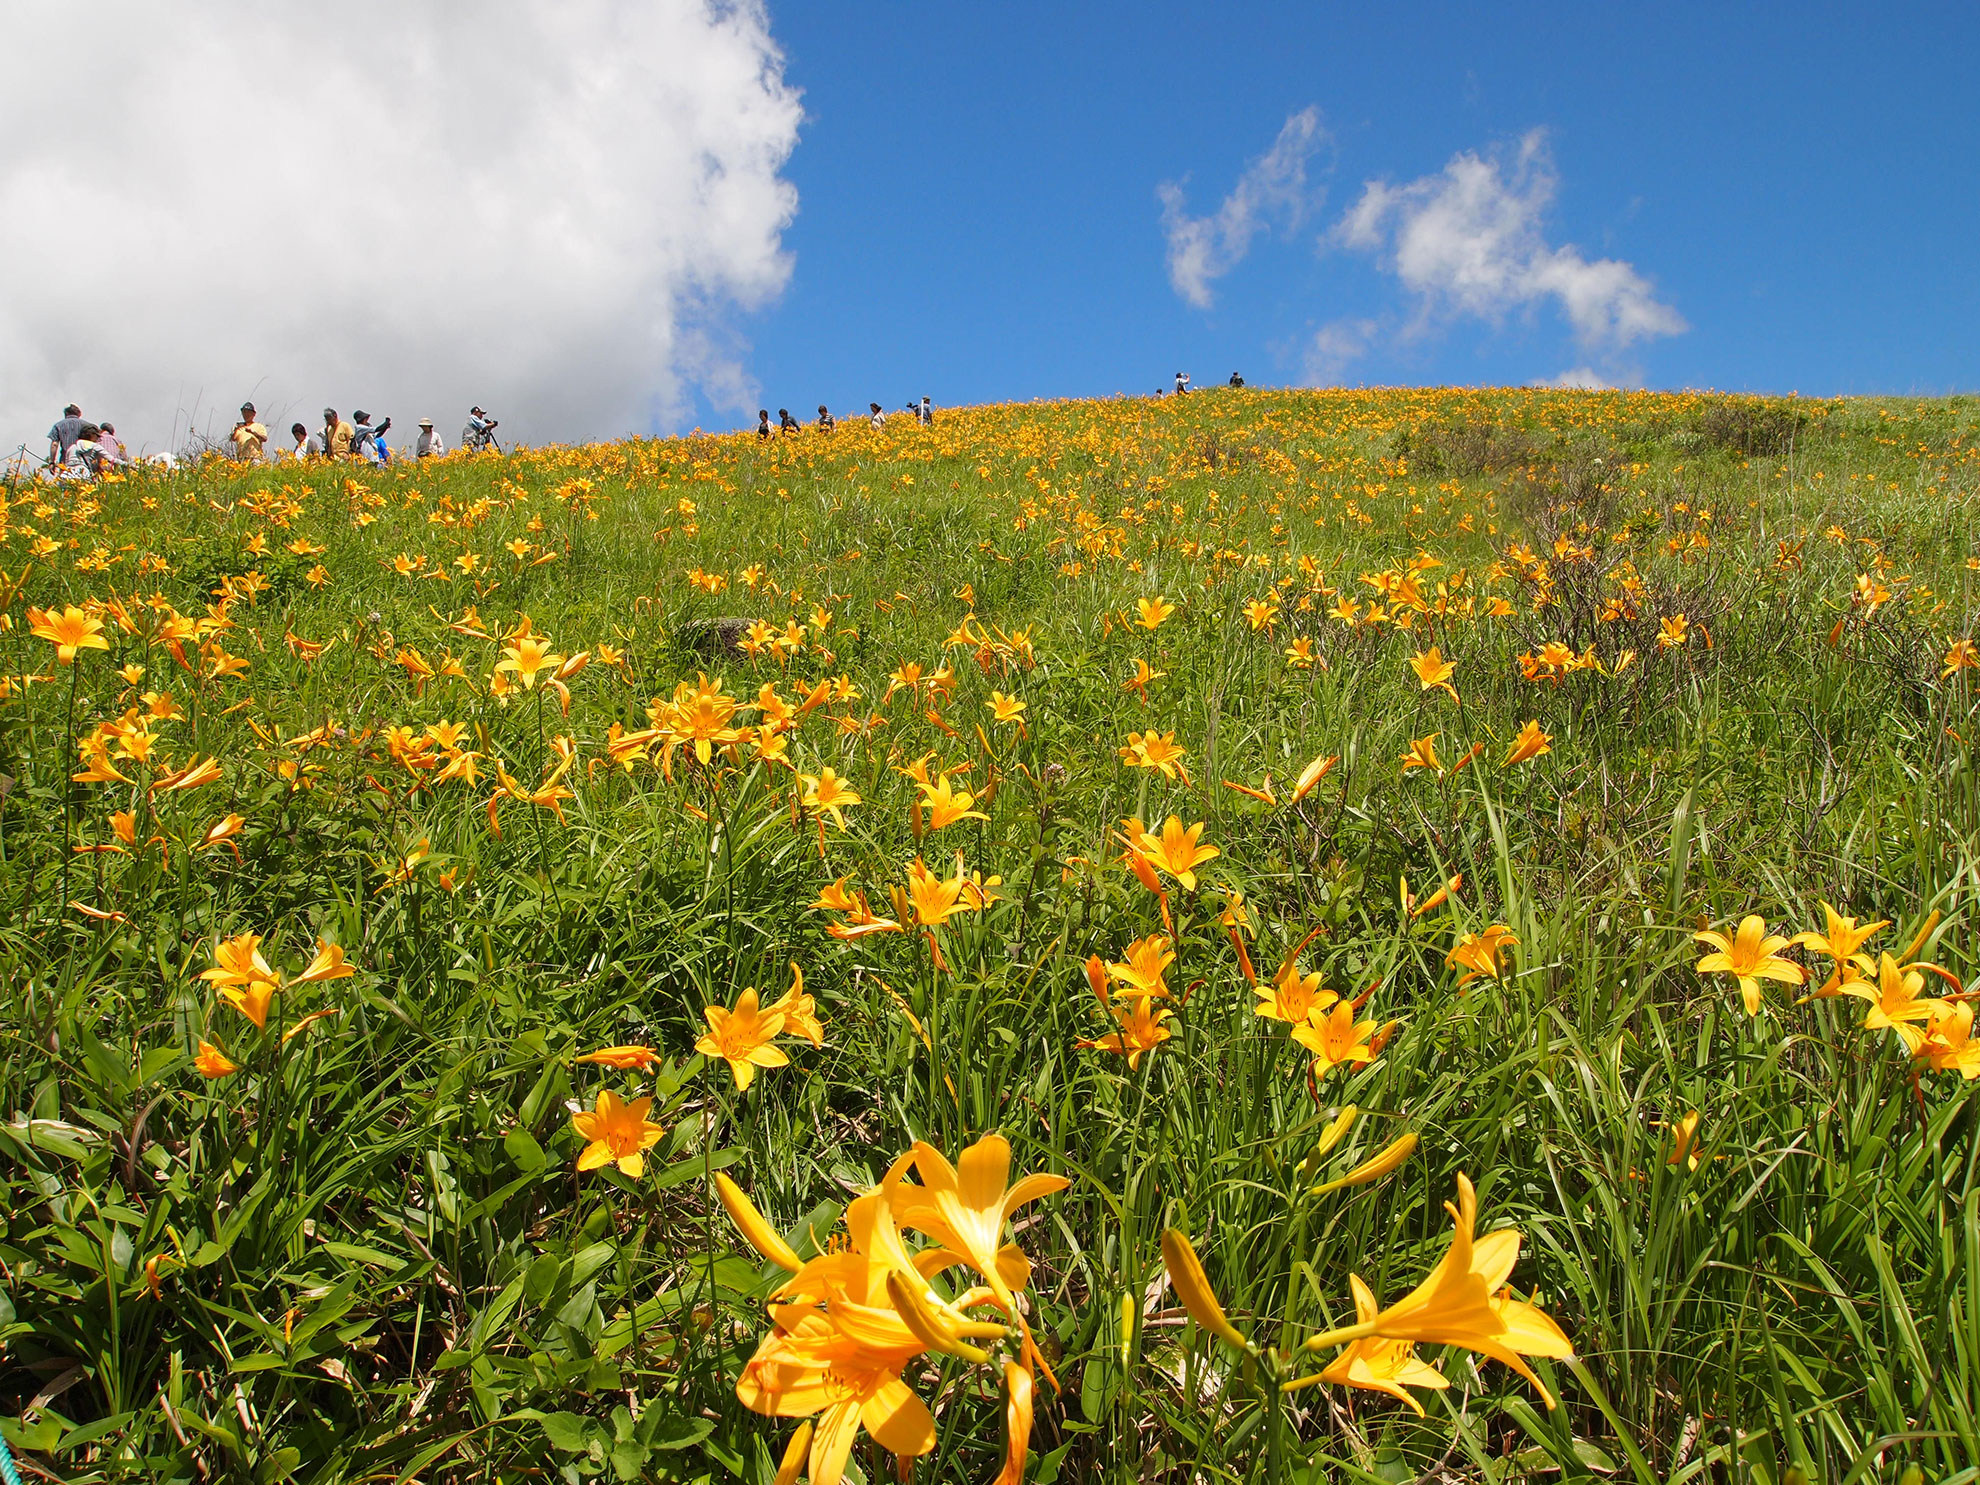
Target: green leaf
[(521, 1147), (39, 1437), (628, 1460), (674, 1431), (579, 1308), (540, 1278), (566, 1432)]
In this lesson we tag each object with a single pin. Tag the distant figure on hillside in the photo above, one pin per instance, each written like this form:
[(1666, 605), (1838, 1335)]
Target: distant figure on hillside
[(428, 444), (1182, 382), (878, 418), (62, 437), (785, 422), (338, 436), (826, 422), (1236, 380), (479, 432), (113, 445), (925, 413), (371, 441), (763, 422), (249, 436), (308, 445)]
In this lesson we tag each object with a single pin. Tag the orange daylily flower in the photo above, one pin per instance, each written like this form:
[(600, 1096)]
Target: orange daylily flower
[(741, 1036), (1750, 956), (617, 1133)]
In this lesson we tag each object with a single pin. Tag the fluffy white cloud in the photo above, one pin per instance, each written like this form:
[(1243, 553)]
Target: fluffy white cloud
[(1272, 191), (547, 210), (1580, 379), (1468, 241), (1335, 347)]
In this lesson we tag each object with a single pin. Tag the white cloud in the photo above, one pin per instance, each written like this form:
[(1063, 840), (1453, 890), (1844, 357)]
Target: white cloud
[(1335, 347), (1468, 241), (1580, 379), (1272, 190), (548, 210)]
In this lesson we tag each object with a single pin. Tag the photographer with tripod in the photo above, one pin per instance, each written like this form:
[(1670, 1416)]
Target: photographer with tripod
[(479, 432)]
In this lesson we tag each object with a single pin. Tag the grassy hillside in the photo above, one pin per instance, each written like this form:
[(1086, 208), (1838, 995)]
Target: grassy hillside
[(1425, 730)]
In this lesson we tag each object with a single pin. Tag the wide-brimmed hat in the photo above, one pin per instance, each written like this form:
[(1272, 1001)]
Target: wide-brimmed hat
[(426, 422)]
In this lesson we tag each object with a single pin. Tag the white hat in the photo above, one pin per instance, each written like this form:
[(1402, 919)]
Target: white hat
[(426, 422)]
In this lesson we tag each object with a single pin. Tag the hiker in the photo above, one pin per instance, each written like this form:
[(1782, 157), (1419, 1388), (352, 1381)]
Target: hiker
[(62, 437), (879, 419), (428, 445), (112, 445), (763, 422), (371, 441), (308, 445), (88, 453), (1182, 382), (248, 436), (925, 413), (1236, 380), (826, 423), (785, 422), (338, 436), (479, 432)]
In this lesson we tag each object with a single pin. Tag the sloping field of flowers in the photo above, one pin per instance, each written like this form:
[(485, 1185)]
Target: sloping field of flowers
[(1372, 936)]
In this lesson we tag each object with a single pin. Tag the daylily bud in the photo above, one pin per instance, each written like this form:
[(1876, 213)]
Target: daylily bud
[(1192, 1287), (1374, 1168), (1096, 976), (750, 1222), (1335, 1132)]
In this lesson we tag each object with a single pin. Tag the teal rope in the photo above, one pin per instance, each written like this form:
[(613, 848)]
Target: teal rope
[(7, 1471)]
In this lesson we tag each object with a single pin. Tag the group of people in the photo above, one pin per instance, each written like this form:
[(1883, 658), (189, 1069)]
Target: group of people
[(78, 447), (76, 443), (1182, 384), (358, 438), (922, 412)]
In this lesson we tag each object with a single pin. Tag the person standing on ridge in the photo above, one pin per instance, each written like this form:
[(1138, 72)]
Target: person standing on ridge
[(826, 422), (428, 445), (1182, 382), (249, 436), (878, 419), (338, 436), (113, 445), (925, 413), (371, 441), (308, 445), (479, 432), (1236, 380), (763, 422), (785, 422), (62, 437)]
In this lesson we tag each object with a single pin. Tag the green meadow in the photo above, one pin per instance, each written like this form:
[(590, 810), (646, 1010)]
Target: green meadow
[(368, 802)]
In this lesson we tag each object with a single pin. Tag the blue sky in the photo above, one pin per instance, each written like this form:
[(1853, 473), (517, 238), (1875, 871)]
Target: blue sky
[(608, 216), (978, 218)]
